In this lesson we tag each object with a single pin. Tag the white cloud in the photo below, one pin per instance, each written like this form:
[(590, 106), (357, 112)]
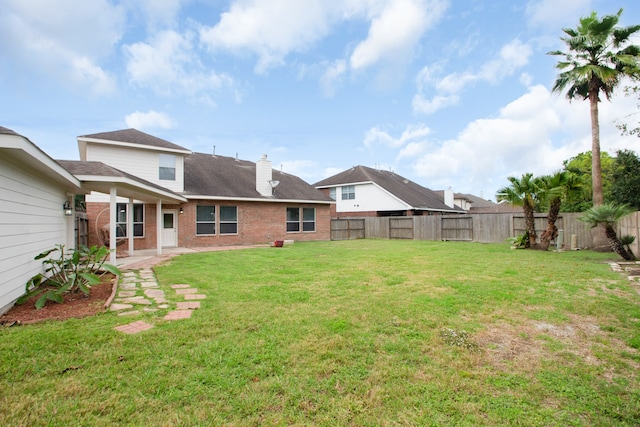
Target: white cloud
[(553, 14), (395, 32), (534, 133), (332, 76), (168, 65), (412, 134), (149, 120), (158, 13), (65, 39), (270, 29), (512, 56), (301, 168)]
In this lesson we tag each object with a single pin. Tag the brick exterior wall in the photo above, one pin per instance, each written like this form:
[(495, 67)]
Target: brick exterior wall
[(258, 222)]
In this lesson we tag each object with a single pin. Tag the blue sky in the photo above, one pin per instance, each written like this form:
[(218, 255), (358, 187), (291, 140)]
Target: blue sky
[(446, 93)]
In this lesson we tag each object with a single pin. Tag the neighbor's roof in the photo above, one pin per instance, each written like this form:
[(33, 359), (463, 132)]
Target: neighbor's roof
[(133, 137), (220, 177), (476, 201), (99, 177), (415, 195)]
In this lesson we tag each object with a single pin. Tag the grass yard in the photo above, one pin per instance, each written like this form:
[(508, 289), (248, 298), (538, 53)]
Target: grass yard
[(355, 333)]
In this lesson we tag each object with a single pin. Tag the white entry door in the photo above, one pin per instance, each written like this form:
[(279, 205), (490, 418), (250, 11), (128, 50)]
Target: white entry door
[(169, 229)]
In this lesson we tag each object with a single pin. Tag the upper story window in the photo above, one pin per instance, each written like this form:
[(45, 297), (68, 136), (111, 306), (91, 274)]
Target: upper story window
[(348, 192), (167, 169), (332, 192)]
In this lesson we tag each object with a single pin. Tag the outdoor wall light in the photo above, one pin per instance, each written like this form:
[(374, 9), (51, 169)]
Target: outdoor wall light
[(181, 210), (68, 210)]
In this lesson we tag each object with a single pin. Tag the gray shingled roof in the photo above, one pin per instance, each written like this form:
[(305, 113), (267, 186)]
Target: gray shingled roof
[(475, 200), (220, 176), (134, 136), (413, 194), (7, 131)]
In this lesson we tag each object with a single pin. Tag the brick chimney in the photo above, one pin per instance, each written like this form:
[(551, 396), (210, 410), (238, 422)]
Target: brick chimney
[(264, 174)]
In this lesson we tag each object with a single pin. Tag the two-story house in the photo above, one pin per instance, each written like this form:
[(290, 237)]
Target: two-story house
[(363, 191), (208, 199)]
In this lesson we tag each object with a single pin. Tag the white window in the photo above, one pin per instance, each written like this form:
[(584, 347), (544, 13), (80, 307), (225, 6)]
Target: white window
[(228, 220), (205, 220), (348, 192), (121, 220), (167, 171), (332, 192), (308, 222)]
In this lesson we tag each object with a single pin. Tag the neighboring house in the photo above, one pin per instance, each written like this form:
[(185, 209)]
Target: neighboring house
[(467, 202), (216, 200), (363, 191), (33, 190)]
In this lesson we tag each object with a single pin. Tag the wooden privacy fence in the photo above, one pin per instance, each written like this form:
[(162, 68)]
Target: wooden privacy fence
[(483, 228)]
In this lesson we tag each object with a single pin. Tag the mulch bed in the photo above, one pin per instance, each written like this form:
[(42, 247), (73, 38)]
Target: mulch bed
[(75, 305)]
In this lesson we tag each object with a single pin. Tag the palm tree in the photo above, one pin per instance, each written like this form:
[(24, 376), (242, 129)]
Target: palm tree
[(523, 192), (554, 189), (599, 55), (608, 215)]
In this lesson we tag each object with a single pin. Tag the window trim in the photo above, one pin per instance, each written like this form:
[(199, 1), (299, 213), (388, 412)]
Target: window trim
[(300, 222), (348, 192), (225, 222), (162, 166), (122, 225), (213, 222)]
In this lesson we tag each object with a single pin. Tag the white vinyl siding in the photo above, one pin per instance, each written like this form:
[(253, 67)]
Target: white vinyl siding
[(370, 198), (32, 222), (142, 163)]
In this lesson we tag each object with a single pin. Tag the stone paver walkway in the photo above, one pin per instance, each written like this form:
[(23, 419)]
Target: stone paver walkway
[(139, 291)]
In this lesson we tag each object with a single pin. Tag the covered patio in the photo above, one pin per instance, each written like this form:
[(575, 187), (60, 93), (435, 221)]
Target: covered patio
[(101, 178)]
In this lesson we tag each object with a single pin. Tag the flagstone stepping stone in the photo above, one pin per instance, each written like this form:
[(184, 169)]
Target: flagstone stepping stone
[(188, 305), (163, 306), (195, 296), (135, 300), (128, 313), (128, 287), (160, 300), (178, 314), (125, 294), (134, 328), (186, 291), (118, 307), (154, 293), (150, 285), (180, 286)]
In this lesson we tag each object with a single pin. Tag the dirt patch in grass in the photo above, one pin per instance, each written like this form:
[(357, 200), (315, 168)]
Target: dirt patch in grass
[(76, 305)]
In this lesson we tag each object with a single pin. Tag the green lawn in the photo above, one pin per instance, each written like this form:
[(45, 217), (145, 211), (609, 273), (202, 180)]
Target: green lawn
[(357, 333)]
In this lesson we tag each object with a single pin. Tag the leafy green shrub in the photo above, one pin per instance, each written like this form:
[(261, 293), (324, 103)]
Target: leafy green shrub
[(69, 271), (521, 241)]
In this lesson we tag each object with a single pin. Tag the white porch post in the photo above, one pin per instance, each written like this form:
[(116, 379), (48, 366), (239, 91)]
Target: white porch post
[(159, 227), (130, 226), (112, 224)]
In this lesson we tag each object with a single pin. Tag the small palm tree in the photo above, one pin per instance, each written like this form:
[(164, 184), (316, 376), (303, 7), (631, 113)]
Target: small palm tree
[(523, 192), (608, 216), (554, 189)]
